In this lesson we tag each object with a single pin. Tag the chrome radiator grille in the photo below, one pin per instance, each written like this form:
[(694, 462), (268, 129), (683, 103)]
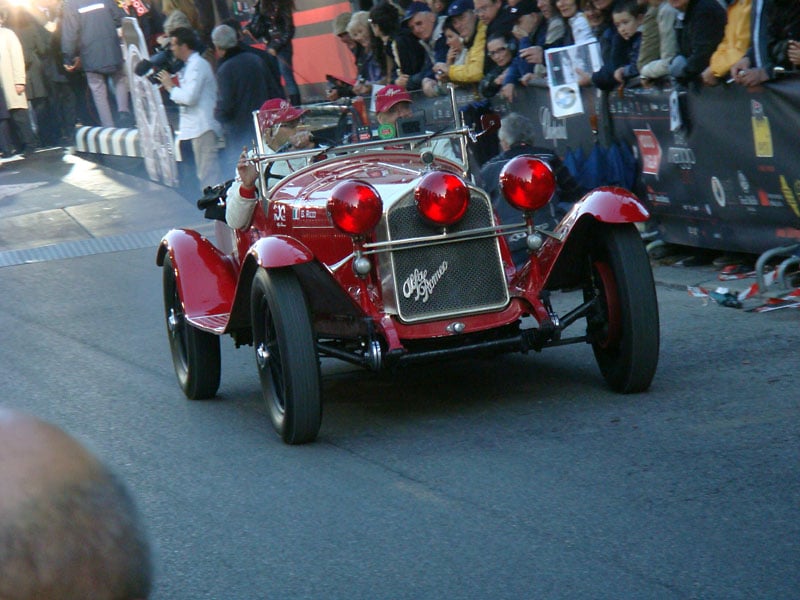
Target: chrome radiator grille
[(445, 279)]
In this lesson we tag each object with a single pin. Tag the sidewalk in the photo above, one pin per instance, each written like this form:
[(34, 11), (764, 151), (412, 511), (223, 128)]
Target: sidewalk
[(55, 204)]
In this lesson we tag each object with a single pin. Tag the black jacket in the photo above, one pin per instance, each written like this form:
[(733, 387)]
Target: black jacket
[(271, 69), (783, 24), (242, 88), (699, 33)]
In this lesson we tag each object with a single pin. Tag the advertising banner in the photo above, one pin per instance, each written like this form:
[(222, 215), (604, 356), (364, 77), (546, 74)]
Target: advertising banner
[(723, 172)]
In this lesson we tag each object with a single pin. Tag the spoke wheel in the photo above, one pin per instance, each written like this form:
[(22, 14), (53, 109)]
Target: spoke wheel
[(195, 353), (286, 355), (624, 327)]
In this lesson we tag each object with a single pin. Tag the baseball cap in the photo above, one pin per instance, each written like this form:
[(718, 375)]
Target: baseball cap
[(414, 8), (278, 110), (458, 7), (523, 7), (390, 95)]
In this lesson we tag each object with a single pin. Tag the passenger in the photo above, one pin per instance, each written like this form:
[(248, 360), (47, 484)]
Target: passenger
[(393, 103), (68, 526), (280, 122)]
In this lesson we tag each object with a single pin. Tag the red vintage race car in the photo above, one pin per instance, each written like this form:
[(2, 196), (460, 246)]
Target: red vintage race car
[(380, 252)]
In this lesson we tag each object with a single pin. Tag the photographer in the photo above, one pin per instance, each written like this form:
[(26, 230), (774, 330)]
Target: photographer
[(195, 93)]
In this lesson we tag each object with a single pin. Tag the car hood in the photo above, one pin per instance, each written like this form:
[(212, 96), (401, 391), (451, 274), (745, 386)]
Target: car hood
[(392, 173)]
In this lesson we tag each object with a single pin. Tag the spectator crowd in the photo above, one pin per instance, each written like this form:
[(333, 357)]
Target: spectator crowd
[(62, 62), (495, 46)]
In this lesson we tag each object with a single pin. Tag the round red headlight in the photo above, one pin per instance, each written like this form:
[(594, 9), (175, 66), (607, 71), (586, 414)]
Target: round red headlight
[(442, 198), (527, 183), (355, 207)]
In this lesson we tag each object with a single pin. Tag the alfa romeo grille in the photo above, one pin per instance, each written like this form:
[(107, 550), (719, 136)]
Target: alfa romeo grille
[(442, 280)]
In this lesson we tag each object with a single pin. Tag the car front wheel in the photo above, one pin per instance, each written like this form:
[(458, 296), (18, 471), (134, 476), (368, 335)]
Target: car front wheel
[(624, 327), (286, 355), (195, 353)]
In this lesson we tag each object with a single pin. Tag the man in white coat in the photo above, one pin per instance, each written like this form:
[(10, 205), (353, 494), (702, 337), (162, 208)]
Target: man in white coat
[(12, 76)]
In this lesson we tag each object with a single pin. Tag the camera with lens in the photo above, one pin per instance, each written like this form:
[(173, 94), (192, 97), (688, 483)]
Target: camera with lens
[(163, 60)]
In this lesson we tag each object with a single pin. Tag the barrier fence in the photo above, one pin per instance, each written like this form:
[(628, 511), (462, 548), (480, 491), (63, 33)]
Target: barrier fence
[(717, 168)]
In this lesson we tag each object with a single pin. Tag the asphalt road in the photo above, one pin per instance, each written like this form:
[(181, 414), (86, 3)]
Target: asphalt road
[(516, 477)]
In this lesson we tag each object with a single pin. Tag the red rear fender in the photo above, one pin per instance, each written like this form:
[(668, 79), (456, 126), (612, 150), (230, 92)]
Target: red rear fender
[(206, 277), (280, 251)]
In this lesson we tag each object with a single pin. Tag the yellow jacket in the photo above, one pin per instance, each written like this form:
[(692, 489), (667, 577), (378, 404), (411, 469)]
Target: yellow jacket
[(736, 40), (472, 69)]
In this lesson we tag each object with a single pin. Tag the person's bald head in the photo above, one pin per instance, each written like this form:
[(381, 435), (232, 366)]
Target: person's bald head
[(68, 528)]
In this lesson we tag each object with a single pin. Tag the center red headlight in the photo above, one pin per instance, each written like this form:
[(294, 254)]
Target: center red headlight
[(442, 198), (355, 207), (527, 183)]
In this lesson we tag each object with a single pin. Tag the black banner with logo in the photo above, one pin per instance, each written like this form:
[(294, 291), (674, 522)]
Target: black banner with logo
[(718, 167)]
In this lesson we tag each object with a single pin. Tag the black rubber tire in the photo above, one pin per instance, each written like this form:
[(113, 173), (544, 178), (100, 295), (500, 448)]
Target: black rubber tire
[(195, 353), (624, 329), (286, 355)]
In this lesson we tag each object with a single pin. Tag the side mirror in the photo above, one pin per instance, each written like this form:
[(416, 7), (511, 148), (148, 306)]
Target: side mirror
[(490, 123)]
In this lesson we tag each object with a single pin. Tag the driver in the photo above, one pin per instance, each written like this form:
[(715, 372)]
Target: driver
[(279, 122)]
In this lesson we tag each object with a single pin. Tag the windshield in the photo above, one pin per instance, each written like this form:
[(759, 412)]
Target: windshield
[(402, 120)]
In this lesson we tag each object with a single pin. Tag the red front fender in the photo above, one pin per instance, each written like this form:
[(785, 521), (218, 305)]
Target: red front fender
[(608, 205), (206, 277), (557, 261)]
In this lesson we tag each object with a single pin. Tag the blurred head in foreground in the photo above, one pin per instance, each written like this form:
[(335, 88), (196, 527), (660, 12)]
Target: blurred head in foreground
[(68, 526)]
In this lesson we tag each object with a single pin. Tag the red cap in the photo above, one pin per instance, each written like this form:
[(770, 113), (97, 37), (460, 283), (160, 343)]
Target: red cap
[(390, 95), (278, 110)]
